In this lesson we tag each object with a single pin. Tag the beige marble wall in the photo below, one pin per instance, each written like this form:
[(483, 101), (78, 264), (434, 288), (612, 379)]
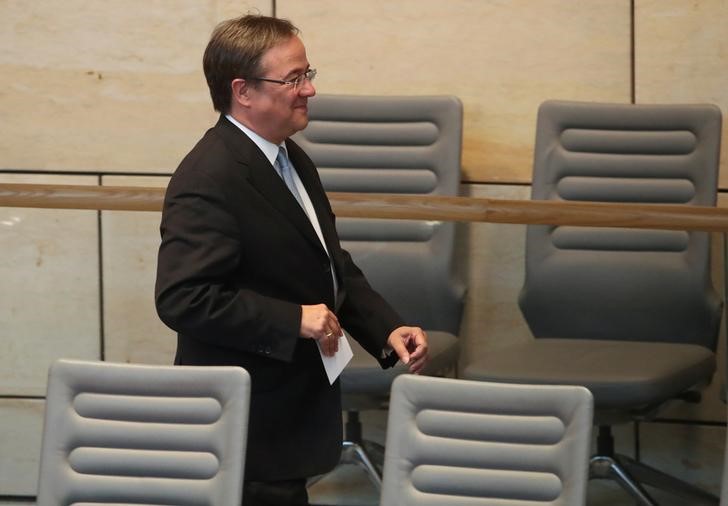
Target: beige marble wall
[(496, 266), (130, 240), (501, 58), (681, 55), (117, 86), (21, 427), (49, 308), (105, 86), (49, 300)]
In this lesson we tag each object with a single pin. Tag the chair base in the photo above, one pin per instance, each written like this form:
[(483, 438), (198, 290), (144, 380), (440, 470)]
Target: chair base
[(357, 451), (630, 474), (367, 455)]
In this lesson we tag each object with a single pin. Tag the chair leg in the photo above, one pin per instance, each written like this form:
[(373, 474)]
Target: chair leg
[(359, 452), (631, 474), (601, 467), (375, 451), (354, 450), (354, 453), (656, 478)]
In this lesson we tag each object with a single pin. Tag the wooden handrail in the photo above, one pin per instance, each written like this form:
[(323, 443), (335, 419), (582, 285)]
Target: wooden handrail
[(408, 207), (106, 198)]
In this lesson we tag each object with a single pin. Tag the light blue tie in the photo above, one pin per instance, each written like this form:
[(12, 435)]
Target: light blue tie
[(283, 166)]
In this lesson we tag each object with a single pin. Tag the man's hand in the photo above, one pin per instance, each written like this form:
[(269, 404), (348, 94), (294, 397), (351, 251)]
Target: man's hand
[(410, 344), (320, 323)]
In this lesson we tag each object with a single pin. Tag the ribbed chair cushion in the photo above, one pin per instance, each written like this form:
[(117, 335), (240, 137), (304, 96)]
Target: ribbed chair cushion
[(138, 434), (462, 443)]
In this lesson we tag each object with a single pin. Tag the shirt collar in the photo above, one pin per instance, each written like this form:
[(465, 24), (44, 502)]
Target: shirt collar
[(269, 149)]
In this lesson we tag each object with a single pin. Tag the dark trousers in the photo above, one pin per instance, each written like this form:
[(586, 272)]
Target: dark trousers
[(275, 493)]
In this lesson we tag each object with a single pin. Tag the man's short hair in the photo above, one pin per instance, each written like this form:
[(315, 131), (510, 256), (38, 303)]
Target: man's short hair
[(235, 50)]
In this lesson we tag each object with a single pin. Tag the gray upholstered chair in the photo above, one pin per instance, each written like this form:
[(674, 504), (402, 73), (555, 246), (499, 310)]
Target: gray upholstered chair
[(134, 434), (457, 443), (393, 145), (630, 314)]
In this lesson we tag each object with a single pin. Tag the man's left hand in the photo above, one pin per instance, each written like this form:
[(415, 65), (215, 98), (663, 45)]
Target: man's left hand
[(410, 344)]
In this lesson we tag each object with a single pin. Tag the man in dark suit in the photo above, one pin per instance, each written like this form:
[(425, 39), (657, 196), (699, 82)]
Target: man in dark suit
[(250, 269)]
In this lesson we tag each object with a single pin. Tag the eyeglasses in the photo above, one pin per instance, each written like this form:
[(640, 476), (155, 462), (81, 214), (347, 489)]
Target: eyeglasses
[(296, 82)]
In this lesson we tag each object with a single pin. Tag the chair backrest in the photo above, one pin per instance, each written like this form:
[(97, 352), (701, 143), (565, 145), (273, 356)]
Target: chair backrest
[(137, 434), (452, 442), (412, 145), (617, 283)]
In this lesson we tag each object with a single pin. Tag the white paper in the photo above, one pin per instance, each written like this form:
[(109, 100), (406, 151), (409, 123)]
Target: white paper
[(336, 363)]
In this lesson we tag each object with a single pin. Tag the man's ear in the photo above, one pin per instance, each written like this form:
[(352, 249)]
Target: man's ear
[(240, 90)]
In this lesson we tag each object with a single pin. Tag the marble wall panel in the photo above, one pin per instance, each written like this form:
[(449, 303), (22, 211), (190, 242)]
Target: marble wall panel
[(681, 56), (21, 431), (49, 299), (226, 9), (130, 240), (105, 86), (501, 58), (495, 265)]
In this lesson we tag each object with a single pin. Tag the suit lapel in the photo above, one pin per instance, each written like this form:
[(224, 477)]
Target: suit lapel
[(264, 178), (307, 173), (309, 177)]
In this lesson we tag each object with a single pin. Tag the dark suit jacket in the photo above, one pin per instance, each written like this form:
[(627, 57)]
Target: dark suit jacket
[(238, 257)]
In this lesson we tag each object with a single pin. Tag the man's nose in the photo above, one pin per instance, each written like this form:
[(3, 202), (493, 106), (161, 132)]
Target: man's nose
[(307, 89)]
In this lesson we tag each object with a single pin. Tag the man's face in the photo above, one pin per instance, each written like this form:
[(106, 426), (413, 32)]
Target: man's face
[(279, 110)]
